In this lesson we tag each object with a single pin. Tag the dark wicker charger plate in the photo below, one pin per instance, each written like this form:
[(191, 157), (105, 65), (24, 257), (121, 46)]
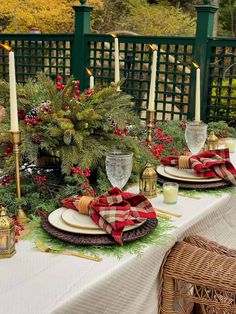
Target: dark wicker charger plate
[(194, 185), (103, 239)]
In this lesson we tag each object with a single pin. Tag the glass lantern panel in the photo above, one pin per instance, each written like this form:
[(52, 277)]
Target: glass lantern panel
[(12, 239), (3, 241)]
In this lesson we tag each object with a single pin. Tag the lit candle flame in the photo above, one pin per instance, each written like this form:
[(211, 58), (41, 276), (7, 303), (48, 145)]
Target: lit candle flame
[(196, 66), (113, 35), (89, 72), (152, 47), (6, 47)]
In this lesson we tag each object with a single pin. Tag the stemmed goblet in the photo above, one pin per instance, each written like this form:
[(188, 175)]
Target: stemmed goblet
[(195, 136), (119, 167)]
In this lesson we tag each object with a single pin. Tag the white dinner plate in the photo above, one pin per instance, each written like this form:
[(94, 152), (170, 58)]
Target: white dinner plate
[(161, 170), (55, 219), (75, 219)]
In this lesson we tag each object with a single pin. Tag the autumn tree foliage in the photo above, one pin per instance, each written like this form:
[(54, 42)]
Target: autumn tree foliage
[(49, 16)]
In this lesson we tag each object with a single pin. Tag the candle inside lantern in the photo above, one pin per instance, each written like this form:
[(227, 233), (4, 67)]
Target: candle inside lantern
[(117, 61), (152, 91), (91, 79), (170, 192), (197, 93), (12, 83)]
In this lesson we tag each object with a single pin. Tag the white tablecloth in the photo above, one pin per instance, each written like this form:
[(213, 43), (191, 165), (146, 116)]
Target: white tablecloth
[(37, 283)]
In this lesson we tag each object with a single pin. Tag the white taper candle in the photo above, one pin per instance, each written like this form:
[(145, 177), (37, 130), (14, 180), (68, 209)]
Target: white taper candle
[(13, 98), (198, 96), (152, 91), (117, 63)]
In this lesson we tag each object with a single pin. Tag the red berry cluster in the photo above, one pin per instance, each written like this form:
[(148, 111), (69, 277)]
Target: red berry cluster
[(60, 85), (33, 122), (21, 113), (85, 174), (119, 132), (6, 179), (8, 150), (89, 92), (41, 182), (77, 91), (19, 227)]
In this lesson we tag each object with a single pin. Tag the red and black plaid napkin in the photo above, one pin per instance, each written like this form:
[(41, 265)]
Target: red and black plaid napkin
[(114, 210), (213, 164)]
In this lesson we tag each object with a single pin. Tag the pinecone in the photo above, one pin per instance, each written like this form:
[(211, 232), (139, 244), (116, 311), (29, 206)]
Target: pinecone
[(36, 139), (111, 121), (44, 107), (32, 114)]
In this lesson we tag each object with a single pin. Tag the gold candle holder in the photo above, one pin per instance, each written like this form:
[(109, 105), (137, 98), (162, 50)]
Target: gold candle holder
[(150, 125), (15, 139)]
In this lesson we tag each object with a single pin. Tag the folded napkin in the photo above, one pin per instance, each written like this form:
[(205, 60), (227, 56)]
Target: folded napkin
[(213, 164), (114, 210)]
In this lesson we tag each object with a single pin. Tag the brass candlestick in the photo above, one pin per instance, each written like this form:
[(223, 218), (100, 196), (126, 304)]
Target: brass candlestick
[(150, 125), (15, 138)]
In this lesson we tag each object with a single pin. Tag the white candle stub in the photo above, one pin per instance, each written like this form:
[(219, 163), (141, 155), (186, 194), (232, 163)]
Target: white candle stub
[(91, 82), (170, 192)]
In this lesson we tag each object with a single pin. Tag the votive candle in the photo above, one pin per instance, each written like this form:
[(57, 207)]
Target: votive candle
[(230, 144), (170, 192)]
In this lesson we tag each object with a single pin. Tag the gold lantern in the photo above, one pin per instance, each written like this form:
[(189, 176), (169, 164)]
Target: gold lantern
[(7, 234), (148, 181), (212, 141)]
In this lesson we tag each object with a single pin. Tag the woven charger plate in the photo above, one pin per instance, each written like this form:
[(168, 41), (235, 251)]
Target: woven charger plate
[(103, 239), (194, 185)]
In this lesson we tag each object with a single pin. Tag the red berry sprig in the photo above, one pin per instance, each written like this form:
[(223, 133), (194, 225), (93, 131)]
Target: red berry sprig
[(118, 131), (41, 181), (85, 175), (89, 92), (60, 85), (21, 113), (8, 150), (77, 91), (6, 179), (18, 228), (33, 122)]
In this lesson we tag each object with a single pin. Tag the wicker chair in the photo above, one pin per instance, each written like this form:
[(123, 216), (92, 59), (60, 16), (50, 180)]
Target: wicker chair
[(198, 276)]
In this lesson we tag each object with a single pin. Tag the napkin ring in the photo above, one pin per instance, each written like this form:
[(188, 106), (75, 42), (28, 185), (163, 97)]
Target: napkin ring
[(83, 204), (184, 162)]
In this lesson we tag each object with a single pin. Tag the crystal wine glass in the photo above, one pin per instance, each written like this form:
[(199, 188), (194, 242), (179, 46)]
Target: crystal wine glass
[(118, 167), (195, 136)]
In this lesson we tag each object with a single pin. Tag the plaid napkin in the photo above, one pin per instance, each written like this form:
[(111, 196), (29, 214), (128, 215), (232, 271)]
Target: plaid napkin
[(213, 164), (114, 210)]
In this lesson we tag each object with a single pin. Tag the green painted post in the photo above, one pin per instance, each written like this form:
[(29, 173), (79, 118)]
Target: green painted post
[(205, 27), (79, 49)]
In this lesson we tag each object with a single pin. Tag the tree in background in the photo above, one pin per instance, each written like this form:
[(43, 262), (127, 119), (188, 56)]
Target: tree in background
[(227, 16), (49, 16), (131, 15), (140, 17)]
